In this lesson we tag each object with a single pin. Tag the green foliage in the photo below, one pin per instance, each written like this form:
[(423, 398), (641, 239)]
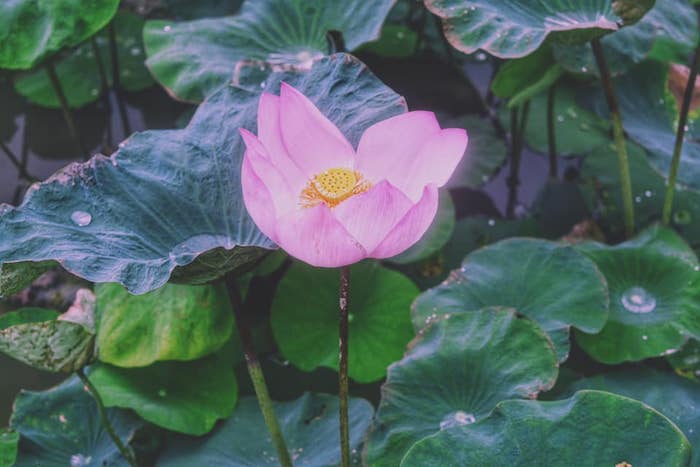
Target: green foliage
[(8, 447), (549, 282), (590, 429), (305, 324), (192, 59), (175, 322), (32, 30), (454, 373), (309, 424), (654, 288)]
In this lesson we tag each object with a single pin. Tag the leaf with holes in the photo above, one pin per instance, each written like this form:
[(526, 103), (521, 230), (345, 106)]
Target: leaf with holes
[(454, 373), (191, 59), (169, 201)]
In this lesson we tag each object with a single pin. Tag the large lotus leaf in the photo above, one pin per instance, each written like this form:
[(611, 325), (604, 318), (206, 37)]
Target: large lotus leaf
[(191, 59), (454, 373), (577, 130), (79, 74), (62, 427), (175, 322), (485, 154), (549, 282), (187, 397), (48, 341), (515, 28), (673, 23), (305, 324), (649, 189), (654, 287), (437, 234), (591, 429), (649, 116), (8, 447), (31, 30), (673, 396), (309, 425), (169, 196)]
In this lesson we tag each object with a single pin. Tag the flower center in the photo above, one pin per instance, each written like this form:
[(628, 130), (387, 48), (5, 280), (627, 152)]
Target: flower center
[(333, 187)]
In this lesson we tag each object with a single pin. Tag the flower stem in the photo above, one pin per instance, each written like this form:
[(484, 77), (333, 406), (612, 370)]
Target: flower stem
[(105, 420), (116, 84), (343, 366), (619, 136), (551, 137), (517, 138), (17, 163), (105, 87), (256, 374), (680, 134), (67, 115)]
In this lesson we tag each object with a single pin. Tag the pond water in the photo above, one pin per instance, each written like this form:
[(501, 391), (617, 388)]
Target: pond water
[(39, 139)]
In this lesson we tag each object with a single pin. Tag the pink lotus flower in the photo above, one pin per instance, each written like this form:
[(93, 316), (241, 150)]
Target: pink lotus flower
[(328, 205)]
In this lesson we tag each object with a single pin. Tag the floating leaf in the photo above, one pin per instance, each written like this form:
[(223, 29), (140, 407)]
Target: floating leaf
[(168, 197), (454, 373), (192, 59), (175, 322), (670, 23), (61, 427), (654, 286), (437, 234), (187, 397), (549, 282), (675, 397), (79, 73), (46, 340), (309, 425), (592, 428), (305, 324), (31, 30), (513, 28), (8, 447), (486, 154)]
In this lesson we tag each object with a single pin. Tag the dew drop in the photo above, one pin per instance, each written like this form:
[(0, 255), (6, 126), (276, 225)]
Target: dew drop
[(571, 112), (481, 56), (648, 193), (79, 460), (351, 317), (696, 268), (400, 35), (584, 69), (560, 118), (162, 393), (638, 300), (645, 337), (584, 126), (637, 199), (491, 222), (135, 51), (94, 91), (81, 218), (167, 28), (458, 418)]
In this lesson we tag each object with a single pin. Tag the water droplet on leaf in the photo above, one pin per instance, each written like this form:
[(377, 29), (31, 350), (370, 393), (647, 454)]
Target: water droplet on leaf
[(81, 218), (638, 300), (458, 418)]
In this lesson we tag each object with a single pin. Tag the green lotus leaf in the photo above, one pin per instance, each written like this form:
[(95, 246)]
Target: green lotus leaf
[(592, 428), (549, 282), (305, 325), (654, 288), (8, 447), (168, 197), (192, 59), (49, 341), (486, 154), (522, 78), (79, 73), (309, 425), (515, 28), (31, 30), (61, 426), (395, 40), (436, 236), (649, 116), (649, 190), (675, 397), (187, 397), (577, 130), (670, 23), (454, 373), (175, 322)]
